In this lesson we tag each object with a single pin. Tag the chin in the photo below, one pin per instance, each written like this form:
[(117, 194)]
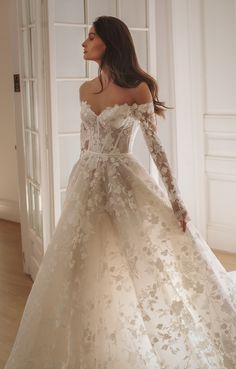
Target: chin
[(87, 57)]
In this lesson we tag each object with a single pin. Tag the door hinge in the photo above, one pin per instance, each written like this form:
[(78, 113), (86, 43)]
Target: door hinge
[(16, 82)]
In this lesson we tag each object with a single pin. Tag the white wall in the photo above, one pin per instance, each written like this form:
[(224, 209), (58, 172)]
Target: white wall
[(8, 166), (203, 44), (219, 51)]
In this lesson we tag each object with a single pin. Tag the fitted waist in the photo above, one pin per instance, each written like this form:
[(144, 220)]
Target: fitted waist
[(107, 153)]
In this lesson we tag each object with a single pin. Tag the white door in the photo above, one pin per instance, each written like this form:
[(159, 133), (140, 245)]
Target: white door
[(69, 22), (31, 134)]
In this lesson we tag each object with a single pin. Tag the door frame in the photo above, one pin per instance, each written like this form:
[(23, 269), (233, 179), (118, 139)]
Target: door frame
[(21, 173), (187, 65), (32, 257)]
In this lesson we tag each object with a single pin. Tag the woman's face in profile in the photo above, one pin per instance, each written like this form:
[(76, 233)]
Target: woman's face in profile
[(93, 46)]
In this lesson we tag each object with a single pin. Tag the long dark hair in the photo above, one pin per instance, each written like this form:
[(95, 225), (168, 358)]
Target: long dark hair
[(121, 58)]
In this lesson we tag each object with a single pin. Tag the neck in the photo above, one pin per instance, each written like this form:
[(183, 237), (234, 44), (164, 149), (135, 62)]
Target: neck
[(106, 77)]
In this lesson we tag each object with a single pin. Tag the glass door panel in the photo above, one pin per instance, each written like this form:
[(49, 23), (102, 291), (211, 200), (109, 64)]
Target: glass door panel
[(30, 84)]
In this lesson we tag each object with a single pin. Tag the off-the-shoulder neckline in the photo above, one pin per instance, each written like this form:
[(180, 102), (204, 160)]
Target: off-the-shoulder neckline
[(85, 102)]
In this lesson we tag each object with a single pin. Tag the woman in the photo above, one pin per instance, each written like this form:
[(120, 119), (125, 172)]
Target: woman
[(124, 282)]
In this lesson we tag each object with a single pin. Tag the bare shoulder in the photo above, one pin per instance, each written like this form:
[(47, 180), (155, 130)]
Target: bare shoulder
[(142, 94), (86, 88), (83, 90)]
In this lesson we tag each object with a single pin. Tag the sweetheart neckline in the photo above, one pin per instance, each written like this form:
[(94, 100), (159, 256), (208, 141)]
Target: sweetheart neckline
[(85, 102)]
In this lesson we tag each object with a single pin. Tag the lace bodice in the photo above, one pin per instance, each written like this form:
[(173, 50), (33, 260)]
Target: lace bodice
[(113, 132), (114, 129)]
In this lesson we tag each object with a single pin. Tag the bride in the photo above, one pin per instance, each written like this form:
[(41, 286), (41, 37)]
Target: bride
[(127, 281)]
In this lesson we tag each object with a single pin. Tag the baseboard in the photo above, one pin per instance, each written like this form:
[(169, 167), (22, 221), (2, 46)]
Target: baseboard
[(220, 251), (9, 210), (222, 237)]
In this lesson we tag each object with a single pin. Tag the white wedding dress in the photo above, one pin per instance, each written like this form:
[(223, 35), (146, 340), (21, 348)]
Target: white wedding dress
[(121, 286)]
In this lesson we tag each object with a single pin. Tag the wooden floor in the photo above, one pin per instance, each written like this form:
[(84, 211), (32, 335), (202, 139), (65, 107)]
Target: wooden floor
[(15, 285), (227, 259)]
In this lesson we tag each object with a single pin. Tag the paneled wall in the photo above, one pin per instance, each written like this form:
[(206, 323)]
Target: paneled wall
[(204, 59), (219, 19), (69, 25)]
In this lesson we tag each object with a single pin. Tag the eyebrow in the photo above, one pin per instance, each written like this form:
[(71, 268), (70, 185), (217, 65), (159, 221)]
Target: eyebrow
[(92, 33)]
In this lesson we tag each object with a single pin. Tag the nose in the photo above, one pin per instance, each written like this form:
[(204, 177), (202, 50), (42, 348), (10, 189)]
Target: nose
[(83, 44)]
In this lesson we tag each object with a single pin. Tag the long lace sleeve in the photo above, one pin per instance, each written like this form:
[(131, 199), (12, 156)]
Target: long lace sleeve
[(147, 118)]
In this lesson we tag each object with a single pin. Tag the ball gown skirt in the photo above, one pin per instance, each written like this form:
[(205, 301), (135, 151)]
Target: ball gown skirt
[(121, 286)]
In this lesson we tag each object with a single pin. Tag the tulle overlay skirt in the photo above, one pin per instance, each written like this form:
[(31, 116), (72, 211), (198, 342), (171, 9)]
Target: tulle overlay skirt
[(121, 286)]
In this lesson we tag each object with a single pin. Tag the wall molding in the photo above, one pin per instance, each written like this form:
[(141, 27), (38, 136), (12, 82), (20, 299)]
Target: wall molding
[(221, 177), (222, 124), (221, 237), (220, 115), (220, 144), (221, 112), (220, 135)]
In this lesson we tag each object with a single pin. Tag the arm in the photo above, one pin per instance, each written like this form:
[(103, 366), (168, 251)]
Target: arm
[(146, 116)]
